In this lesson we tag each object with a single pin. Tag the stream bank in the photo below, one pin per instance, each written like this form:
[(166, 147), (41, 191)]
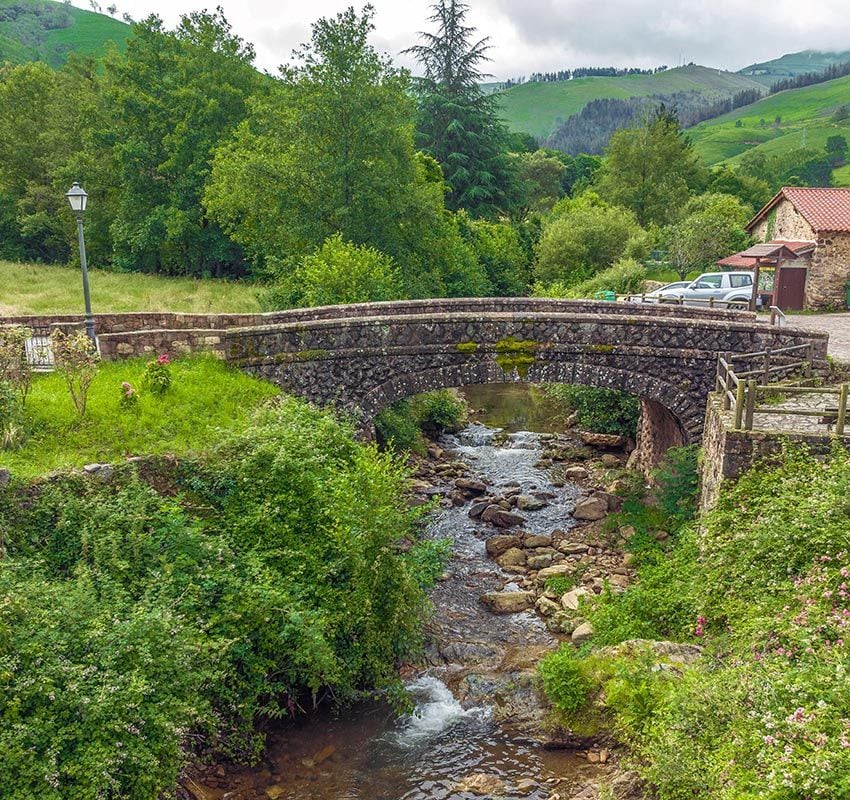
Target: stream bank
[(507, 499)]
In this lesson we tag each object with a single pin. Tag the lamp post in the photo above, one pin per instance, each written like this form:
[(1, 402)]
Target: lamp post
[(78, 199)]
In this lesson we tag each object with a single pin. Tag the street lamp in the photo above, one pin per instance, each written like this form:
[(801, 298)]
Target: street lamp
[(78, 199)]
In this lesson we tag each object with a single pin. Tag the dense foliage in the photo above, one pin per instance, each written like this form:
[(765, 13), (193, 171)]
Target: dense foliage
[(762, 584), (401, 426), (137, 626), (599, 410)]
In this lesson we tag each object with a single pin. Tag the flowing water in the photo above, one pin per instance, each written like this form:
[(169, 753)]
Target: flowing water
[(476, 709)]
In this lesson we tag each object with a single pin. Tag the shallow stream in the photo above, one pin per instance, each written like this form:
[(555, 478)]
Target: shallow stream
[(471, 733)]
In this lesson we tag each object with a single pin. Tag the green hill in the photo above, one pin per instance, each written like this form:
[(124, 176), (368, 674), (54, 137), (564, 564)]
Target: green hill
[(792, 64), (42, 30), (784, 121), (539, 108)]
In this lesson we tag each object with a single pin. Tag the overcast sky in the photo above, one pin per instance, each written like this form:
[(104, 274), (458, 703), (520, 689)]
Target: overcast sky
[(532, 35)]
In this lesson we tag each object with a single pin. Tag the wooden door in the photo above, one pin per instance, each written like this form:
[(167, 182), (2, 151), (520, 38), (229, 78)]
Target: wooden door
[(790, 290)]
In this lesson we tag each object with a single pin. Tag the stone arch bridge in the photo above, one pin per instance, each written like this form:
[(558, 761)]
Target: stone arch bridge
[(366, 357)]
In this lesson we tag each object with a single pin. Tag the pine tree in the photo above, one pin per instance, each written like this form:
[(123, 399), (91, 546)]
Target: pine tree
[(458, 123)]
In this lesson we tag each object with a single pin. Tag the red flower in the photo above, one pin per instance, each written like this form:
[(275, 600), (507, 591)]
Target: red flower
[(164, 359)]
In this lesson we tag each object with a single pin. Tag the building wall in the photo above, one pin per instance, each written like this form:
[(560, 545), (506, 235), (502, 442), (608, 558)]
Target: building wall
[(829, 268)]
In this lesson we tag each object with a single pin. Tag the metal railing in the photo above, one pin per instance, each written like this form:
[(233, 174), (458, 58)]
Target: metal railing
[(38, 349), (742, 388)]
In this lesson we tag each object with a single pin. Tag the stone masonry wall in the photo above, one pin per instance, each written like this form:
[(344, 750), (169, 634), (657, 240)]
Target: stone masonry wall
[(788, 224), (729, 453), (829, 271)]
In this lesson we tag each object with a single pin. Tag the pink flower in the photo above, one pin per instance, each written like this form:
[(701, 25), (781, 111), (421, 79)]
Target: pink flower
[(700, 628), (127, 389), (164, 359), (771, 740)]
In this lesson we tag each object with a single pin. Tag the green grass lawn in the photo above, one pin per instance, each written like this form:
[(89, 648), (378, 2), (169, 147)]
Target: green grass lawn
[(46, 289), (805, 120), (206, 397)]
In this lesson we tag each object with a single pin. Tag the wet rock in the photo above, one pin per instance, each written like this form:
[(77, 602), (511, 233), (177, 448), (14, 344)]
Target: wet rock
[(605, 441), (501, 518), (571, 599), (512, 557), (496, 545), (537, 541), (274, 792), (477, 509), (614, 502), (575, 473), (508, 602), (582, 633), (526, 785), (591, 508), (481, 784), (572, 548), (528, 502), (324, 754), (469, 485)]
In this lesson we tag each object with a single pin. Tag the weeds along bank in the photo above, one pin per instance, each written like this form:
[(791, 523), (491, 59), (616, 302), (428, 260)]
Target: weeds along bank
[(145, 619), (754, 701)]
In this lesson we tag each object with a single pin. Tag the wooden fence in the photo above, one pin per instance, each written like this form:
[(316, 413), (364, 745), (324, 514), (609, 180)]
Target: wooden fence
[(748, 389)]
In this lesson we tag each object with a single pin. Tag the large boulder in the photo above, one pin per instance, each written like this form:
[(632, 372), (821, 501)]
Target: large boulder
[(513, 557), (555, 570), (591, 508), (575, 473), (582, 633), (571, 599), (469, 485), (605, 441), (508, 602), (501, 518), (528, 502), (614, 502), (500, 543)]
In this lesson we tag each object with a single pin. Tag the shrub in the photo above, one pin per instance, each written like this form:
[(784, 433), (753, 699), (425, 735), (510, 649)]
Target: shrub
[(677, 483), (76, 360), (11, 432), (599, 410), (14, 365), (157, 378), (398, 429), (626, 276), (338, 272), (128, 399), (432, 413), (563, 680)]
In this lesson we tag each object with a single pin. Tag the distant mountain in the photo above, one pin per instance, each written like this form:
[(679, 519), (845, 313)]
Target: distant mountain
[(792, 64), (784, 121), (43, 30), (541, 108)]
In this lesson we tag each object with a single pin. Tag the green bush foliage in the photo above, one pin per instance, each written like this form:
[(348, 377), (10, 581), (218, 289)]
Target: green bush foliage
[(626, 276), (762, 583), (401, 425), (599, 410), (562, 679), (337, 272), (135, 625)]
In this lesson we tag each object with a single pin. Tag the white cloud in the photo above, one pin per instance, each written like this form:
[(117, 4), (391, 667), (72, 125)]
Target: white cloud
[(530, 35)]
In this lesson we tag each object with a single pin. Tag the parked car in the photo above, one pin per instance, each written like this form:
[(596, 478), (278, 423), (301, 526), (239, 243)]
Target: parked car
[(726, 289)]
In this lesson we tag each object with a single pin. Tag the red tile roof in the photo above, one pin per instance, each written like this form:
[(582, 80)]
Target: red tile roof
[(748, 262), (824, 209)]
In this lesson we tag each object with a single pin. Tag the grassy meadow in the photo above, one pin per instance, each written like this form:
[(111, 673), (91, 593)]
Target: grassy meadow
[(48, 289), (206, 397), (805, 120)]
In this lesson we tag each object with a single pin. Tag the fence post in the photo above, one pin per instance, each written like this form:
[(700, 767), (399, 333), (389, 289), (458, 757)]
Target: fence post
[(751, 404), (810, 358), (765, 378), (739, 404), (727, 403), (842, 409), (711, 302)]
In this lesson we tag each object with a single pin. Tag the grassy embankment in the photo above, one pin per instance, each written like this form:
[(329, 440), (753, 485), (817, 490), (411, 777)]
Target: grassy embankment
[(761, 583), (47, 289), (206, 399)]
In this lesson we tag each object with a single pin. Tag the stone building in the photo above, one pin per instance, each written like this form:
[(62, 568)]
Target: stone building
[(819, 216)]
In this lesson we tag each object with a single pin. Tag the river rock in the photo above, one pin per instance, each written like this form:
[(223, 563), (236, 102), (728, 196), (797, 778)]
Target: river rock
[(478, 508), (663, 651), (555, 569), (500, 517), (575, 473), (605, 441), (610, 461), (512, 557), (561, 622), (621, 581), (508, 602), (546, 607), (496, 545), (275, 792), (627, 531), (469, 485), (537, 541), (571, 599), (614, 502), (481, 783), (572, 548), (582, 633), (539, 561), (528, 502), (591, 508)]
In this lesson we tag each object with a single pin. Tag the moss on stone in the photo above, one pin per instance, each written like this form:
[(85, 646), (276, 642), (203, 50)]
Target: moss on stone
[(516, 354), (466, 347), (601, 348)]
